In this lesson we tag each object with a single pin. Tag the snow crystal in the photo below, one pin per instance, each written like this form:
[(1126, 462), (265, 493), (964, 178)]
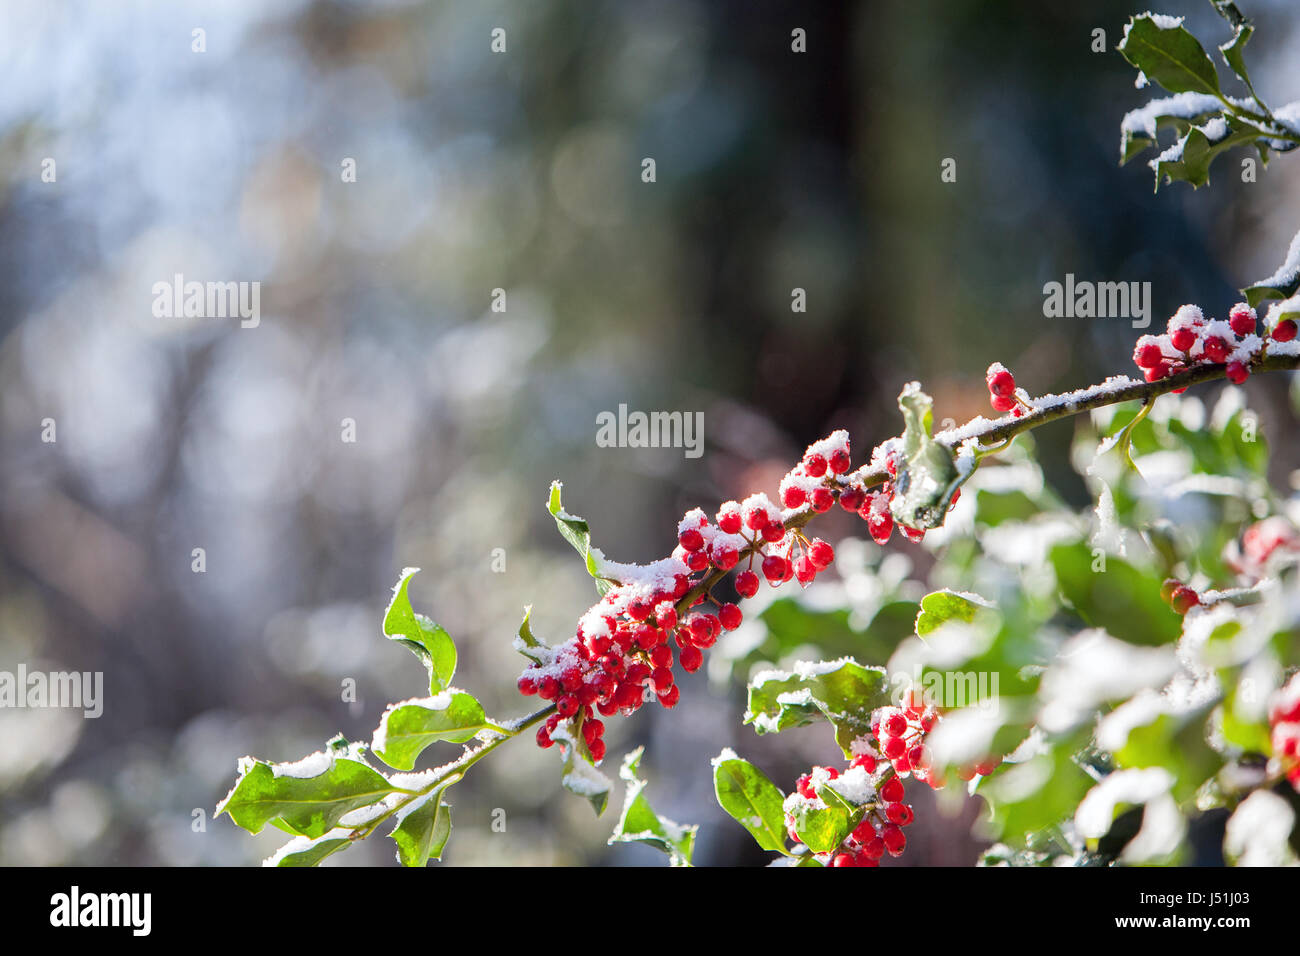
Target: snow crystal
[(693, 519), (837, 440), (1096, 810), (313, 765), (1182, 105), (1288, 272), (1165, 22), (726, 754), (1138, 711)]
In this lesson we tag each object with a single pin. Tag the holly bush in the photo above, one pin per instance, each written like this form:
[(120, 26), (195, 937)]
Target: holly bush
[(1105, 681)]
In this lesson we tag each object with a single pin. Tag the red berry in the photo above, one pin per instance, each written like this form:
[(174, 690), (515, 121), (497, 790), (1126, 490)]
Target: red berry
[(666, 616), (880, 524), (691, 658), (670, 697), (691, 539), (592, 729), (647, 636), (1237, 373), (814, 465), (756, 518), (729, 519), (1184, 599), (730, 616), (851, 499), (628, 696), (697, 560), (895, 725), (1001, 383), (567, 705), (839, 461), (613, 665), (774, 568), (1284, 331), (597, 748), (874, 848), (1182, 338), (804, 570), (747, 584), (661, 679), (865, 761), (662, 656), (805, 787), (1002, 403), (894, 839), (914, 534), (792, 497), (544, 738), (774, 532), (893, 747), (527, 686), (1216, 350), (1242, 319), (638, 672), (548, 688), (891, 791), (724, 556), (823, 499), (1148, 356), (1156, 372), (843, 859), (895, 813), (864, 832)]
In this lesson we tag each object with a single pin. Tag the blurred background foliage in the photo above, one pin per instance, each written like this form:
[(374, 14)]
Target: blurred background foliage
[(519, 171)]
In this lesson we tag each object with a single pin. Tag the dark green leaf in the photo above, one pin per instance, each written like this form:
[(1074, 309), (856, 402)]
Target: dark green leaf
[(640, 824), (821, 829), (1191, 164), (407, 728), (580, 775), (310, 806), (1169, 55), (1122, 599), (526, 643), (843, 692), (426, 640), (754, 801)]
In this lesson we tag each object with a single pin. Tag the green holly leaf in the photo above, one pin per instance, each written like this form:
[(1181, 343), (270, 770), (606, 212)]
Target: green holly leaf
[(408, 727), (753, 800), (426, 640), (1282, 284), (940, 607), (1190, 158), (303, 851), (1162, 48), (1111, 593), (423, 828), (841, 691), (307, 797), (1139, 127), (640, 824), (927, 469), (821, 829), (526, 643), (575, 531)]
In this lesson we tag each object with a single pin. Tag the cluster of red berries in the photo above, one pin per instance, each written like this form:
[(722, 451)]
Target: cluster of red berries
[(1190, 339), (1264, 546), (1284, 718), (901, 733), (622, 653), (1002, 390), (866, 782), (1179, 596)]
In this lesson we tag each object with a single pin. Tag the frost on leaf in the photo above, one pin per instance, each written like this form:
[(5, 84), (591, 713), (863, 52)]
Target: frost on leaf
[(927, 469), (640, 824)]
